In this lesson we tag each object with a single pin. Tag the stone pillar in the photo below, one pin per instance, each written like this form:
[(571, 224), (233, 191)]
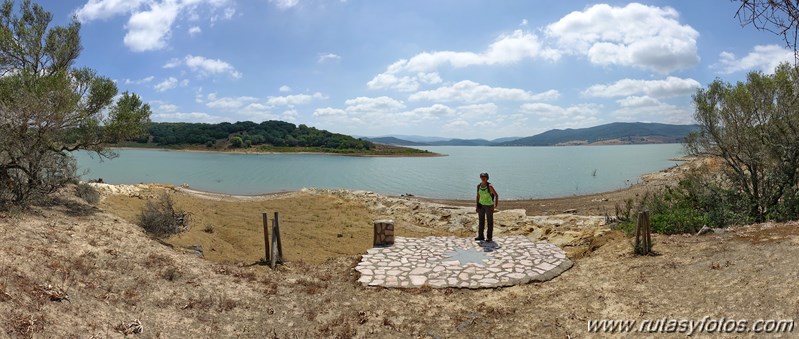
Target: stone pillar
[(384, 233)]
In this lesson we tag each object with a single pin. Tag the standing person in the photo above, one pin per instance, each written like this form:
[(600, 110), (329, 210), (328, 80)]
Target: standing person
[(487, 201)]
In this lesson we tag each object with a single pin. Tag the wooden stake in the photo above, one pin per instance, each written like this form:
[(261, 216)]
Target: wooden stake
[(277, 234), (648, 233), (638, 235), (266, 237)]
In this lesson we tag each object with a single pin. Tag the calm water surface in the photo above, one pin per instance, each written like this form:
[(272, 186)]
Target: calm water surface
[(516, 172)]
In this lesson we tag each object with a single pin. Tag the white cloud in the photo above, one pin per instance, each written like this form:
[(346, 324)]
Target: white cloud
[(290, 115), (284, 89), (328, 57), (150, 24), (524, 23), (470, 91), (167, 108), (167, 84), (379, 104), (140, 81), (575, 116), (211, 66), (456, 125), (669, 87), (369, 113), (404, 83), (645, 109), (187, 117), (149, 30), (636, 35), (184, 82), (194, 30), (229, 13), (477, 111), (104, 9), (256, 107), (506, 49), (291, 100), (329, 112), (421, 114), (230, 104), (205, 66), (257, 112), (285, 4), (172, 63), (638, 101), (763, 58)]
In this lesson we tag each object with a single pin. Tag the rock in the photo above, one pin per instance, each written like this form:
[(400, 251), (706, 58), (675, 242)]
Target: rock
[(196, 250)]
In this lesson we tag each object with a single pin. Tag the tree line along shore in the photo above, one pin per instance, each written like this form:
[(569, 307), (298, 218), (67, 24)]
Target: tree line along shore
[(265, 137)]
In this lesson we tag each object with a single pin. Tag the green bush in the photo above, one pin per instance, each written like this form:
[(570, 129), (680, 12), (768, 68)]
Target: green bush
[(787, 208), (88, 193), (683, 219), (236, 142)]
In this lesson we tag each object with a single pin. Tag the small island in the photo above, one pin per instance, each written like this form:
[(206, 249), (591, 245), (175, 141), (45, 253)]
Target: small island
[(266, 137)]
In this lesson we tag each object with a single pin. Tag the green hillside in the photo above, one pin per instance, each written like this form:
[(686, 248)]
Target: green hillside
[(617, 132)]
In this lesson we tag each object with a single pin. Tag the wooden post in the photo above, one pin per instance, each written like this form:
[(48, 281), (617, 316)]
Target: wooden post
[(648, 233), (276, 234), (266, 237), (277, 247), (643, 234), (638, 225), (273, 261)]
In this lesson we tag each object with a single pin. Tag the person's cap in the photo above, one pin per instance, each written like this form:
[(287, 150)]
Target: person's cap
[(484, 174)]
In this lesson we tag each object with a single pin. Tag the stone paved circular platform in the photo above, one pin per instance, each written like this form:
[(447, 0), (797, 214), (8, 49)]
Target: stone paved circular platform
[(441, 262)]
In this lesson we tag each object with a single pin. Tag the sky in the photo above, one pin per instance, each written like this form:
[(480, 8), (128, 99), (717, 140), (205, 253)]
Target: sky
[(447, 68)]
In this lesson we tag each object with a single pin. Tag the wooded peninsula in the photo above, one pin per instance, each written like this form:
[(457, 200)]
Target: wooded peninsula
[(267, 136)]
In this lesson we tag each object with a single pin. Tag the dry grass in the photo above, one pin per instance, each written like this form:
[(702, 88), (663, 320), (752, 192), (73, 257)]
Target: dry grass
[(233, 232), (117, 278)]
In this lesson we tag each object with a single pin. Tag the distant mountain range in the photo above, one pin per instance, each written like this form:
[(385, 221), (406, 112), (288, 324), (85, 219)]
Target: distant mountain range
[(608, 134)]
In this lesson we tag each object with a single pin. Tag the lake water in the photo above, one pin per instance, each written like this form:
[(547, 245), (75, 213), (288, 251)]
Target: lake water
[(516, 172)]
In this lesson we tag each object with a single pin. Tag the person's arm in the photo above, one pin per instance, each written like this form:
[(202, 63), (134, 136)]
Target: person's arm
[(496, 195), (477, 200)]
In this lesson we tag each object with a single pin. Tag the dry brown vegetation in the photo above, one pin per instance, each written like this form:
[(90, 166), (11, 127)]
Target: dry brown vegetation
[(117, 278), (313, 228)]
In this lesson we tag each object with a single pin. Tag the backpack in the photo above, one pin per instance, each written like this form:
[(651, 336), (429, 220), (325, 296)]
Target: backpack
[(488, 185)]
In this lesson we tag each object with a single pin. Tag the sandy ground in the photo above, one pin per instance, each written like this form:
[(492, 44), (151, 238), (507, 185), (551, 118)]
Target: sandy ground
[(74, 270)]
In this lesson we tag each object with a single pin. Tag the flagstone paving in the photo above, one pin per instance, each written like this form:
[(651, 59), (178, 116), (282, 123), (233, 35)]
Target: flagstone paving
[(441, 262)]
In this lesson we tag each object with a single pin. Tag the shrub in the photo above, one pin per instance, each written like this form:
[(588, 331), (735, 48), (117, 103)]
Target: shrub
[(787, 208), (88, 193), (698, 200), (236, 142), (161, 218)]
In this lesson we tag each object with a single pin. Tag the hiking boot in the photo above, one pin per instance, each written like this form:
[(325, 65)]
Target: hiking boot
[(479, 239)]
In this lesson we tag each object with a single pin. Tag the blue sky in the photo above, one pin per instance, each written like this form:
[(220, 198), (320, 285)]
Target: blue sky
[(465, 68)]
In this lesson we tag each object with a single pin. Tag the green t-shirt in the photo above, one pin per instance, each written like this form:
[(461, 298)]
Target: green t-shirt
[(485, 195)]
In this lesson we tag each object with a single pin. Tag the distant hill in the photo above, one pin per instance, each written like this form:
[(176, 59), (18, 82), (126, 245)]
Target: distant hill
[(613, 133), (395, 141), (418, 140), (461, 142), (506, 139)]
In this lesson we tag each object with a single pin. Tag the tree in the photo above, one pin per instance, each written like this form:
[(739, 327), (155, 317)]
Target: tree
[(236, 142), (49, 108), (780, 17), (754, 128)]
